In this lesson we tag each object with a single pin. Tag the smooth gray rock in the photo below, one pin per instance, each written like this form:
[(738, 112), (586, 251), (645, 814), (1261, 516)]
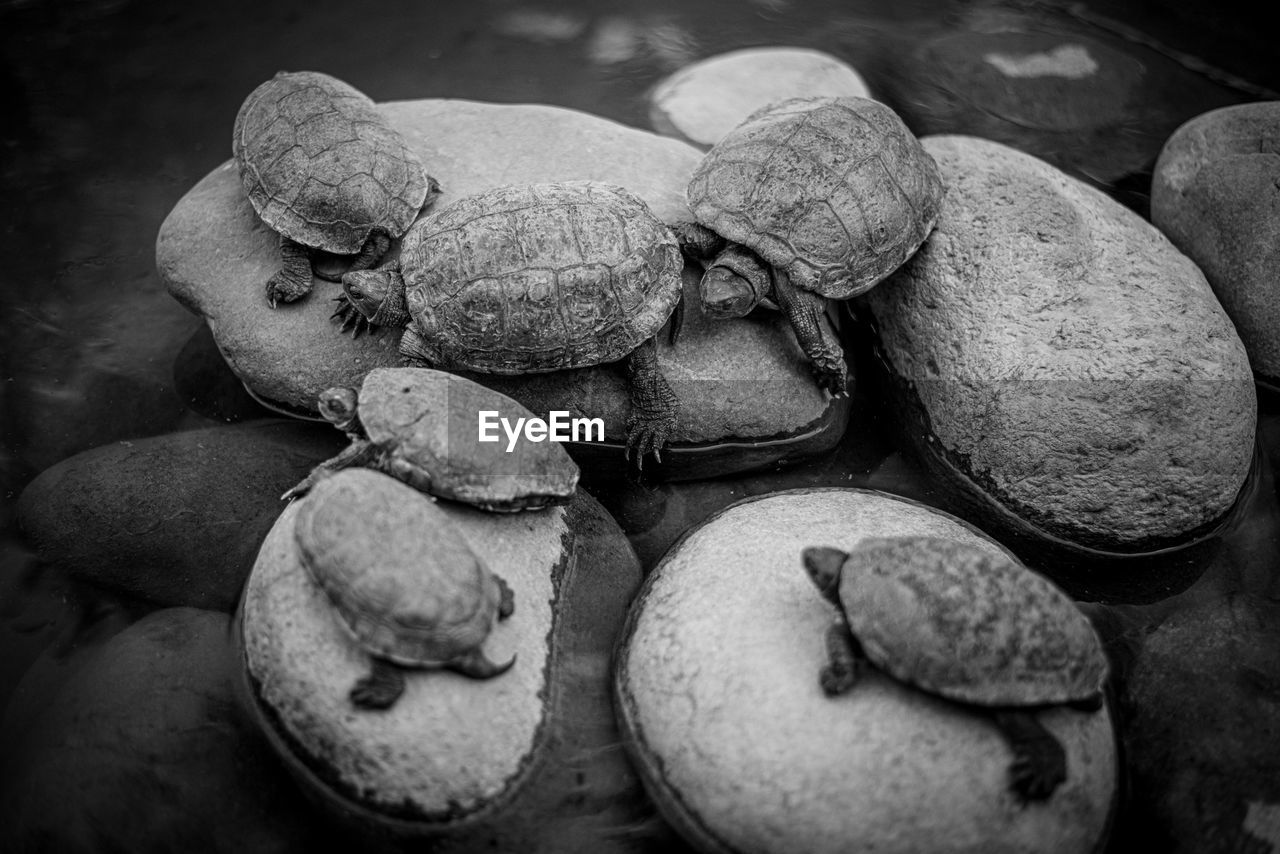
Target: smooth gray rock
[(1068, 373), (1214, 193)]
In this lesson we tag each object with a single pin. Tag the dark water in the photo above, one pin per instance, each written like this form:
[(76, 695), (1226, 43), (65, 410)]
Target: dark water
[(110, 111)]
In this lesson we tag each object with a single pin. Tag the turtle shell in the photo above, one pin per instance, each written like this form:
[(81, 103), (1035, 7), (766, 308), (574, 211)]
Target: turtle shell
[(540, 277), (321, 166), (427, 419), (405, 583), (961, 622), (836, 192)]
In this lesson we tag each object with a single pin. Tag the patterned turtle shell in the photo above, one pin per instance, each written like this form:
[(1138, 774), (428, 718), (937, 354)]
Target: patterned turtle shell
[(836, 192), (405, 583), (427, 421), (963, 623), (321, 166), (540, 277)]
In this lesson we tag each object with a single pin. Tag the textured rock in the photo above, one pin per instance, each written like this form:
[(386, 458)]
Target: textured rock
[(744, 379), (1214, 193), (175, 519), (703, 101), (1064, 369), (143, 749), (717, 686), (527, 761)]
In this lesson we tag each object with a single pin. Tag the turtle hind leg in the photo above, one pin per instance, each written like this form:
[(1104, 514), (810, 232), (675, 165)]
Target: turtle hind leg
[(805, 310), (476, 666), (381, 688), (653, 405), (371, 254), (845, 660), (1039, 763), (293, 280), (506, 599)]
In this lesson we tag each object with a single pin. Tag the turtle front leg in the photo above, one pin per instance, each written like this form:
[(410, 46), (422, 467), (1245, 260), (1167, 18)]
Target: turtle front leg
[(845, 660), (1039, 763), (381, 688), (653, 405), (375, 247), (805, 310), (293, 280), (413, 347), (360, 452)]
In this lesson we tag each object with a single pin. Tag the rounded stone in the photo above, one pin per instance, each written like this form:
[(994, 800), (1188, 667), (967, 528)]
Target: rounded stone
[(174, 519), (702, 102), (742, 380), (139, 746), (1066, 373), (717, 689), (526, 761), (1214, 193)]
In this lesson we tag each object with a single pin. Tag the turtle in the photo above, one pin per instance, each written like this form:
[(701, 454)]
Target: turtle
[(324, 170), (809, 199), (418, 425), (533, 278), (402, 581), (960, 622)]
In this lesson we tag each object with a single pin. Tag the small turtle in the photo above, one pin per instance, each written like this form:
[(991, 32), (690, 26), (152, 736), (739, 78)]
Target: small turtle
[(535, 278), (967, 625), (401, 579), (419, 426), (323, 169), (809, 199)]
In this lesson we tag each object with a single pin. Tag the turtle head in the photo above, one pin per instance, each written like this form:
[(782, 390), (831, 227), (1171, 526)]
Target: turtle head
[(378, 295), (734, 283), (338, 406), (824, 565)]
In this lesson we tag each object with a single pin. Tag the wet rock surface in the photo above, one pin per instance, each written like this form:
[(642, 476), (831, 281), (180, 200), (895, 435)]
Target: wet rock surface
[(740, 380), (1060, 365), (175, 519), (702, 102), (526, 761), (1213, 194), (717, 686), (141, 747)]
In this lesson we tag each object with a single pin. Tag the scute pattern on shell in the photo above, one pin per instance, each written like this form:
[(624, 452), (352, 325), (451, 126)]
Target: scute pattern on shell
[(429, 418), (966, 624), (836, 192), (321, 166), (405, 583), (541, 277)]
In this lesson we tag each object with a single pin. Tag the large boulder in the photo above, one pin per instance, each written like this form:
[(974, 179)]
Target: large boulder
[(174, 519), (1214, 194), (141, 747), (702, 102), (527, 761), (1066, 372), (718, 691), (736, 380)]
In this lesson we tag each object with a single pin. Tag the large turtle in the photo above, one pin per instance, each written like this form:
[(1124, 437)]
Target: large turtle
[(535, 278), (323, 169), (968, 625), (419, 425), (403, 582), (809, 199)]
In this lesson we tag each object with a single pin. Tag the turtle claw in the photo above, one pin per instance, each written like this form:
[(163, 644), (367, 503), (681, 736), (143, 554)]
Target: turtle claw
[(833, 379), (647, 435), (1037, 770), (350, 318)]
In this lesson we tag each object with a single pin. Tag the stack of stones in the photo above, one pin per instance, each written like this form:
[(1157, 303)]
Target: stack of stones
[(430, 635)]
